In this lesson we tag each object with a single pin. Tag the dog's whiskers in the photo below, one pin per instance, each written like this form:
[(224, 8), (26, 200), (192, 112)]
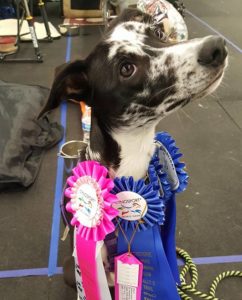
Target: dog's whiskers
[(215, 96), (179, 119), (187, 115), (162, 91), (224, 84)]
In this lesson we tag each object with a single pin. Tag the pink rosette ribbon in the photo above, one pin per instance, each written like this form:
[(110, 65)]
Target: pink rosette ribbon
[(91, 206)]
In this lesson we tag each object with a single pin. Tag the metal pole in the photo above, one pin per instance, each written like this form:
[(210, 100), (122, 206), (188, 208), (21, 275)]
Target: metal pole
[(45, 19), (30, 21)]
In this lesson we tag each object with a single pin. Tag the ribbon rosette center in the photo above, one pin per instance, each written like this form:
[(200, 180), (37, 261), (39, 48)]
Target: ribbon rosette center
[(131, 206), (87, 201)]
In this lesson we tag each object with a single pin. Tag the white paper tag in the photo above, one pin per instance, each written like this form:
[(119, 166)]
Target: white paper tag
[(128, 277), (127, 292), (127, 274)]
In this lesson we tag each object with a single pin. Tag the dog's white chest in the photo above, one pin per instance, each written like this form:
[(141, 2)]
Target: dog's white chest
[(137, 149)]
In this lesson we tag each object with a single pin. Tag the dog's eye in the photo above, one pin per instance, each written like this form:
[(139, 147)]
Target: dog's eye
[(127, 70), (160, 34)]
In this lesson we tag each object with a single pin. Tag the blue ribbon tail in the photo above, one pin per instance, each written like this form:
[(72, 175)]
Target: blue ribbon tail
[(168, 234), (158, 281)]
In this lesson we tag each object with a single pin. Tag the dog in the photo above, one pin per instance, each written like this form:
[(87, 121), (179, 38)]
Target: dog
[(132, 80)]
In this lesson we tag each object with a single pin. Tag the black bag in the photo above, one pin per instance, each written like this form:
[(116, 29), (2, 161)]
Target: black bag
[(23, 137)]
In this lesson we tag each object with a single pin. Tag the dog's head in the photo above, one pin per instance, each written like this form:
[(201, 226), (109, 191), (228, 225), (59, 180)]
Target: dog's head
[(132, 78)]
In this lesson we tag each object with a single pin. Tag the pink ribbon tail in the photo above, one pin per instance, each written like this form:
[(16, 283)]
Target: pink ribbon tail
[(86, 255)]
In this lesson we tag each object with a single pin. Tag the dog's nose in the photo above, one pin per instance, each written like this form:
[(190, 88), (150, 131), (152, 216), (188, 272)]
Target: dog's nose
[(213, 52)]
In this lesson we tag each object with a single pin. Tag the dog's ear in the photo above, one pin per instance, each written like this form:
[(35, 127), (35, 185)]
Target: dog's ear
[(70, 82), (130, 14)]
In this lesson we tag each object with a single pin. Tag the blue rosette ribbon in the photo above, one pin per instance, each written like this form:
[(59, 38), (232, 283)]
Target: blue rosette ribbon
[(158, 280), (170, 173), (155, 208)]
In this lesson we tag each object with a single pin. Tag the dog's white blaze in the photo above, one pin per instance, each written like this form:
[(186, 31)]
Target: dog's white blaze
[(128, 48), (137, 147), (122, 35)]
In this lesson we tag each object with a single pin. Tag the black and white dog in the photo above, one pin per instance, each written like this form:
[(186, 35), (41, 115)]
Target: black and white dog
[(132, 80)]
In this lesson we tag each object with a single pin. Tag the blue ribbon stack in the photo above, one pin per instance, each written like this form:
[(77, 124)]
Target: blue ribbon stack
[(154, 242)]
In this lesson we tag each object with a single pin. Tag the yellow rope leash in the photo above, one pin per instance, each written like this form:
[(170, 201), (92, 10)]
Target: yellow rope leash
[(186, 291)]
